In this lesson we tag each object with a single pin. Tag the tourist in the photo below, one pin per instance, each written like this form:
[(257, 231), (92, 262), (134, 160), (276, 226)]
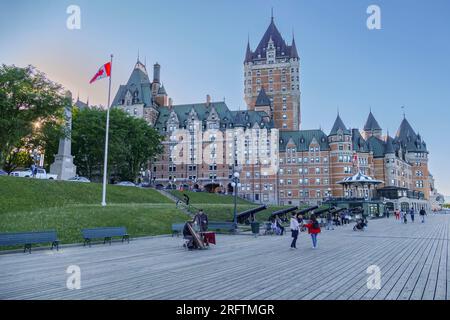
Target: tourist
[(313, 229), (279, 226), (405, 218), (201, 219), (33, 170), (411, 212), (330, 221), (295, 227), (422, 213)]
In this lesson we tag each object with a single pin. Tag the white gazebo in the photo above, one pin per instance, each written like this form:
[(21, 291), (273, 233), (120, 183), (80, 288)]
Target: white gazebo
[(360, 183)]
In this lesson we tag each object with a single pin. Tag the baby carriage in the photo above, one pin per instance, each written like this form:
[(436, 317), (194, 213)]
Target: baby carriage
[(361, 224)]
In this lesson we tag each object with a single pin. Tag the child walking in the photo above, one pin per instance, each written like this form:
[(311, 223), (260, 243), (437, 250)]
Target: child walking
[(313, 229)]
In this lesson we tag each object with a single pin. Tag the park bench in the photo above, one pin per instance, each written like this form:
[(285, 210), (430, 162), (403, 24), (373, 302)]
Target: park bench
[(105, 233), (221, 226), (177, 228), (29, 238)]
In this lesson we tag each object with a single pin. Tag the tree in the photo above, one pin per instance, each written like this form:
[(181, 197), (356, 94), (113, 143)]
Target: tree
[(132, 143), (29, 101)]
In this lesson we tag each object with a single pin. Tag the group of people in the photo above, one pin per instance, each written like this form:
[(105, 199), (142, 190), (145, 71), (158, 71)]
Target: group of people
[(199, 222), (402, 215), (297, 225), (337, 219)]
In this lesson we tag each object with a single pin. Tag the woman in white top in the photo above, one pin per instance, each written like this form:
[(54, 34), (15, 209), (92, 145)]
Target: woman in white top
[(295, 226)]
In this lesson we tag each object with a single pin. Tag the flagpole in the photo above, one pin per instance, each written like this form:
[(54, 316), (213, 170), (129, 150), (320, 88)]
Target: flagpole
[(105, 165)]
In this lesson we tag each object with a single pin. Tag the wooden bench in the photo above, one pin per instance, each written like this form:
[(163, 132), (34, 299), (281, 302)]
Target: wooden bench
[(177, 228), (106, 233), (29, 238), (218, 226)]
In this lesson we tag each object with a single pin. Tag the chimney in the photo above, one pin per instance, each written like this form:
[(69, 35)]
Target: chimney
[(156, 72), (170, 103), (208, 100)]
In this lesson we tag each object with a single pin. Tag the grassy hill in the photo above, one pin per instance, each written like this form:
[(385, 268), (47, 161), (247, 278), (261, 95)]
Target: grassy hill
[(30, 205)]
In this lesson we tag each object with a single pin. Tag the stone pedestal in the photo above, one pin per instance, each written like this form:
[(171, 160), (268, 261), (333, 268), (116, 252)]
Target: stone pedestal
[(63, 165)]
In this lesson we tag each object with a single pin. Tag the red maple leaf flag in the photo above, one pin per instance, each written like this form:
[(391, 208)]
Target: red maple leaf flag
[(103, 72)]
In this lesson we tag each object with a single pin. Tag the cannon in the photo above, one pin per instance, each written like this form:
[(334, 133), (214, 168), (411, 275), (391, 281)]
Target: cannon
[(249, 215), (326, 210), (283, 212)]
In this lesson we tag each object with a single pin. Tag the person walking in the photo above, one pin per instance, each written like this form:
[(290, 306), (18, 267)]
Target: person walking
[(422, 213), (33, 170), (330, 221), (295, 228), (404, 216), (411, 213), (313, 229)]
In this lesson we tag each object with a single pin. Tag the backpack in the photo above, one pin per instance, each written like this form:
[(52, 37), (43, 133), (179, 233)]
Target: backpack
[(315, 225)]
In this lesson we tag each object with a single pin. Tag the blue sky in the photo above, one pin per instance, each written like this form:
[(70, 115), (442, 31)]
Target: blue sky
[(200, 45)]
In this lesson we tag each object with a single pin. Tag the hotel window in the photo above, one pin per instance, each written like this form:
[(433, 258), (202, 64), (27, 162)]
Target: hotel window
[(317, 170), (258, 73), (325, 170), (300, 181), (306, 181), (317, 160), (289, 181), (258, 81), (289, 194), (318, 194), (325, 159), (317, 181), (284, 117), (284, 125), (284, 99)]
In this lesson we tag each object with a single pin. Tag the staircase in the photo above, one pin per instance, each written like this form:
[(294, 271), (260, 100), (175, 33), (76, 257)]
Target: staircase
[(187, 209)]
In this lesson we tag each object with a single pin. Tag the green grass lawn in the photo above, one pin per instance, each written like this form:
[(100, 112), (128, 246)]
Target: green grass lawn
[(31, 205)]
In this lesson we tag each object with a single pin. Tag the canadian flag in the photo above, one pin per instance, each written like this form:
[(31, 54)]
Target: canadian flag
[(103, 72), (355, 159)]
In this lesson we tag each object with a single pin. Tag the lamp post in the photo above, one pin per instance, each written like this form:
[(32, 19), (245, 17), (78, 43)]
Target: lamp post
[(235, 183)]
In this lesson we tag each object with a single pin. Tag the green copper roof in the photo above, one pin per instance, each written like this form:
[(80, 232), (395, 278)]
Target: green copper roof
[(302, 139)]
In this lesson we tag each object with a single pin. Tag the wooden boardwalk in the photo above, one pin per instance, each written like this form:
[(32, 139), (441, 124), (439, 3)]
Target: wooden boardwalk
[(413, 258)]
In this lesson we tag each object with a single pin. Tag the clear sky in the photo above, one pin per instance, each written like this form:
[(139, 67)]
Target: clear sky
[(200, 45)]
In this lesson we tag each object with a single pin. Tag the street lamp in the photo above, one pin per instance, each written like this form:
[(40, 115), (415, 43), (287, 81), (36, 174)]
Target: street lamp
[(235, 183)]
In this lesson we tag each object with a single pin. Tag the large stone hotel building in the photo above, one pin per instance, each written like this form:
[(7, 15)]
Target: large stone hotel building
[(278, 163)]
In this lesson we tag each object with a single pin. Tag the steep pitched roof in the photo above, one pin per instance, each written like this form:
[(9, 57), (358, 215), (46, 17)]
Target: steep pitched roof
[(248, 53), (225, 115), (359, 144), (389, 146), (408, 139), (263, 99), (339, 124), (138, 81), (371, 123), (302, 139), (377, 146), (294, 53)]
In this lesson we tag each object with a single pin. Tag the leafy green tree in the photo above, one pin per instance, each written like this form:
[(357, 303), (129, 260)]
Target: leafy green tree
[(29, 101), (132, 143)]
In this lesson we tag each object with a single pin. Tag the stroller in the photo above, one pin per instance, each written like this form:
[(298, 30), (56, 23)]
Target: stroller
[(361, 224)]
